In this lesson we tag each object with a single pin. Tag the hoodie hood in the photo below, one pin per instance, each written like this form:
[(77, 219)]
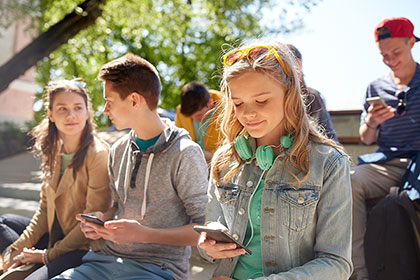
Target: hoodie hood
[(168, 136)]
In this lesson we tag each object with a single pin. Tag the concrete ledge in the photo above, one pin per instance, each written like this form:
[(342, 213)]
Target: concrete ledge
[(18, 206), (25, 191)]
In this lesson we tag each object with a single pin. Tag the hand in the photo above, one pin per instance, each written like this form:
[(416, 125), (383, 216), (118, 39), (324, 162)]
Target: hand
[(378, 114), (8, 259), (221, 278), (126, 231), (207, 155), (32, 256), (88, 228), (27, 256), (219, 250)]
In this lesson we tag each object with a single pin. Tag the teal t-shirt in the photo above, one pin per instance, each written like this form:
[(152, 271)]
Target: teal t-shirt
[(200, 128), (144, 144), (65, 160), (250, 266)]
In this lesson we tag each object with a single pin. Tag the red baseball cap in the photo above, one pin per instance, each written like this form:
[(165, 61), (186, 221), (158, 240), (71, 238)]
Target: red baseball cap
[(394, 27)]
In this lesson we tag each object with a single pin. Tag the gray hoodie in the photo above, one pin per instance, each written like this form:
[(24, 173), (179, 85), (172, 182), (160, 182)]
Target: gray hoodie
[(169, 190)]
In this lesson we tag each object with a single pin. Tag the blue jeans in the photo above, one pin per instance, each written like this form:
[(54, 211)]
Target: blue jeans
[(12, 226), (97, 266)]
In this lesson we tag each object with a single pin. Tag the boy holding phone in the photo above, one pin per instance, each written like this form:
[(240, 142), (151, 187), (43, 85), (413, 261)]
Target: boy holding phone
[(158, 178), (395, 128)]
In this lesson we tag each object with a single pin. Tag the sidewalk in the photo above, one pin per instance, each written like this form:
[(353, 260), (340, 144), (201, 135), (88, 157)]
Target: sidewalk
[(19, 168)]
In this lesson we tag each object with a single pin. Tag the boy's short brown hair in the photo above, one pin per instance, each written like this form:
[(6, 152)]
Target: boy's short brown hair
[(194, 97), (131, 73)]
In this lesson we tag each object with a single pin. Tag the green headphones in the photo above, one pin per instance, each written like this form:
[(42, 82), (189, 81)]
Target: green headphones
[(265, 155)]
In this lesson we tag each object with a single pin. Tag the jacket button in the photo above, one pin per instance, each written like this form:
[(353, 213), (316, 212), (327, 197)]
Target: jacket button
[(241, 211), (236, 237), (301, 200), (249, 184), (268, 237), (268, 210)]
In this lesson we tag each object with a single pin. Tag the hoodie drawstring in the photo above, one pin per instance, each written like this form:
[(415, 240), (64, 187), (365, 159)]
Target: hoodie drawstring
[(146, 184)]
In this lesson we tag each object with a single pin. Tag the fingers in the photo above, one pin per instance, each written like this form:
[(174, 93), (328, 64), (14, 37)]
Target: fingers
[(91, 230), (378, 114), (120, 224), (114, 224), (219, 250)]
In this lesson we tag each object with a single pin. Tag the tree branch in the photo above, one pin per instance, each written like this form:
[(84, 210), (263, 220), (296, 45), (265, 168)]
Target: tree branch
[(82, 17)]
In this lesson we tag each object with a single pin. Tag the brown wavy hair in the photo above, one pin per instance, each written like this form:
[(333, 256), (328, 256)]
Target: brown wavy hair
[(296, 120), (47, 142)]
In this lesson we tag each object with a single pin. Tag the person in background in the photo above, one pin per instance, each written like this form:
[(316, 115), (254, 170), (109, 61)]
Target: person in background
[(158, 178), (394, 127), (313, 98), (198, 114), (74, 180), (278, 185)]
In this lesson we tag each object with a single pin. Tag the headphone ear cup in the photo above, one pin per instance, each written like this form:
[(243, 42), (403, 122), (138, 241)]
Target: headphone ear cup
[(286, 141), (265, 157), (242, 147)]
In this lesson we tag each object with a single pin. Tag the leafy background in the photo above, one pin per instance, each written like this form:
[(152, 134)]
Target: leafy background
[(184, 39)]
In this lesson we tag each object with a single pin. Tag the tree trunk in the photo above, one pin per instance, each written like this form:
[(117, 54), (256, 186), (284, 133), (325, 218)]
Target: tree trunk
[(81, 18)]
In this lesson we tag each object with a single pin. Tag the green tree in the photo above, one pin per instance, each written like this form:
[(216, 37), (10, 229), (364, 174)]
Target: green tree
[(183, 38)]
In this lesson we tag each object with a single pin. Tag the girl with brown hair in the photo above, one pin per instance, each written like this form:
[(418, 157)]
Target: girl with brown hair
[(74, 180)]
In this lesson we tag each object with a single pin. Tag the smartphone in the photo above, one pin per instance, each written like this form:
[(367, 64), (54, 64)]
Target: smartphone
[(376, 100), (92, 219), (221, 236)]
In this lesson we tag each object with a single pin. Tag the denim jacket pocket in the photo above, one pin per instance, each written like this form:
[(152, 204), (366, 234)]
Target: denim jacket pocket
[(298, 207), (227, 195)]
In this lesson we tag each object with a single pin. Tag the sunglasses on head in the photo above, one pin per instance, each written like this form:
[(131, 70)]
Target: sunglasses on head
[(402, 101), (252, 54)]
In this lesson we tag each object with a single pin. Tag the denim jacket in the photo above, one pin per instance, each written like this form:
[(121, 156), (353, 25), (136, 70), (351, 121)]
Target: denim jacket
[(305, 232)]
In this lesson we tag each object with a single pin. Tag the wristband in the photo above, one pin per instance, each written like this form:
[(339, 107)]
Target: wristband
[(45, 258)]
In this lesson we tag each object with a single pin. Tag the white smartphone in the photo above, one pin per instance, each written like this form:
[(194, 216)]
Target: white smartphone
[(376, 100)]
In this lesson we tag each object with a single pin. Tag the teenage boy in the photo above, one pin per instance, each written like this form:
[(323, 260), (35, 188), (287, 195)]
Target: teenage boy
[(198, 114), (158, 178), (395, 128)]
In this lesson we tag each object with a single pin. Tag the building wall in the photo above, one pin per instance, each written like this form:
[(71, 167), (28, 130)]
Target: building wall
[(16, 101), (346, 125)]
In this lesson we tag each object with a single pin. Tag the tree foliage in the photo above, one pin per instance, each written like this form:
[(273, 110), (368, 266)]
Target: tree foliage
[(184, 39)]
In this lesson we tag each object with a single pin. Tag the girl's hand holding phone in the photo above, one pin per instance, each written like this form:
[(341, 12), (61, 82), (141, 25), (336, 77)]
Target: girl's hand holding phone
[(218, 250)]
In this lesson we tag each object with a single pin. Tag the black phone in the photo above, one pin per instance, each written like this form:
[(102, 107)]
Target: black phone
[(221, 236), (92, 219)]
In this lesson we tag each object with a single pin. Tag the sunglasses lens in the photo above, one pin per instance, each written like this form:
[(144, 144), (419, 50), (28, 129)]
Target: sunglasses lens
[(233, 57), (400, 95), (257, 52)]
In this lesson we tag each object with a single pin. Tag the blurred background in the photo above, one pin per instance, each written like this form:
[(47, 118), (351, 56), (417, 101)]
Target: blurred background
[(43, 40)]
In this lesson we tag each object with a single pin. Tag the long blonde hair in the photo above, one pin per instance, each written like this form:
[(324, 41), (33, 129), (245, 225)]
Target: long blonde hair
[(296, 121), (46, 144)]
